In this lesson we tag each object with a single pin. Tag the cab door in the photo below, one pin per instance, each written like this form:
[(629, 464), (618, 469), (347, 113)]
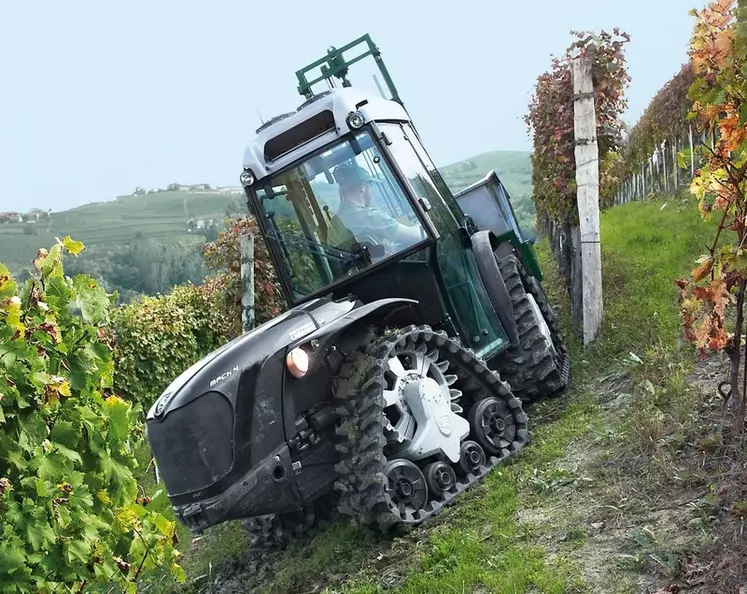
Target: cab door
[(475, 318)]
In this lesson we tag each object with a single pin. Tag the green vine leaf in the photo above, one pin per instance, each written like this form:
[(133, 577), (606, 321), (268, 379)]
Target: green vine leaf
[(66, 442)]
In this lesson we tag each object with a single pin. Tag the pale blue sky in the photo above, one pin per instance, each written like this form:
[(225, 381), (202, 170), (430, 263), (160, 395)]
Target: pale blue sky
[(100, 97)]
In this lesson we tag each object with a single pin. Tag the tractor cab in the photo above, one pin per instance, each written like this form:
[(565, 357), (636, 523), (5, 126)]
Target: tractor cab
[(351, 204)]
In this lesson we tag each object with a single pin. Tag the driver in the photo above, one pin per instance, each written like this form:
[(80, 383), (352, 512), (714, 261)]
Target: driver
[(362, 219)]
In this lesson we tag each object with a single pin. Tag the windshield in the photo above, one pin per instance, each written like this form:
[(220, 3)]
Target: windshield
[(337, 213)]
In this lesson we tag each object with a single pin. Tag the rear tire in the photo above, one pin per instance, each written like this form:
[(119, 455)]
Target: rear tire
[(539, 365)]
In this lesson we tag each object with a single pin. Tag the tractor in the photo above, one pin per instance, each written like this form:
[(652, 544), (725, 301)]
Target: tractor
[(415, 333)]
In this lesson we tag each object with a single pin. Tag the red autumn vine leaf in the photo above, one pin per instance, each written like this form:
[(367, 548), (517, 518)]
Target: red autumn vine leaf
[(706, 265)]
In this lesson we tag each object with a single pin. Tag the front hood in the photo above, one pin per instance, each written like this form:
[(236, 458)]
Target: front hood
[(253, 347)]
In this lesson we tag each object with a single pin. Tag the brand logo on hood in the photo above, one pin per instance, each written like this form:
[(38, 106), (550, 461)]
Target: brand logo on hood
[(163, 402), (224, 376), (307, 328)]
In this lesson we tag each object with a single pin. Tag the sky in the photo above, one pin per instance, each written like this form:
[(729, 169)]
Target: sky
[(97, 98)]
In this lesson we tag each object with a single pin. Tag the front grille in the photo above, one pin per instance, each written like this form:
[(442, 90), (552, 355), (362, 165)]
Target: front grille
[(193, 445)]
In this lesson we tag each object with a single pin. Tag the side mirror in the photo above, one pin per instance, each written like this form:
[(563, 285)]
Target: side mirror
[(470, 224), (465, 236)]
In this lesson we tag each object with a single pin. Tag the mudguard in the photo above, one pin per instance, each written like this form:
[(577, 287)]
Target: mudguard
[(319, 341), (483, 244)]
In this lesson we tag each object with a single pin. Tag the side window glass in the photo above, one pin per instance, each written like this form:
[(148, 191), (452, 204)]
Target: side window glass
[(435, 174), (419, 178), (476, 318)]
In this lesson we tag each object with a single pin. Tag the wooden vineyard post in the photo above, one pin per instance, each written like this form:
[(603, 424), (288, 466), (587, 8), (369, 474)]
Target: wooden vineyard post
[(246, 251), (587, 182), (692, 154)]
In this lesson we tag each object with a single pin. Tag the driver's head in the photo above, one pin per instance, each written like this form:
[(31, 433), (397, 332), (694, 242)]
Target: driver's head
[(355, 183)]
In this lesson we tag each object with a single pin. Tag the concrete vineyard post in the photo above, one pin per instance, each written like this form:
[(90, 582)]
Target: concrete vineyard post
[(587, 182), (246, 251)]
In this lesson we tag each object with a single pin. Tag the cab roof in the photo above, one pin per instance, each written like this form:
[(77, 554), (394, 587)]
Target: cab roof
[(316, 123)]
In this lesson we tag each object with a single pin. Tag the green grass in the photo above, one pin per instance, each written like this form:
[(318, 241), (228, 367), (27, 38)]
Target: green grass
[(646, 246), (480, 545)]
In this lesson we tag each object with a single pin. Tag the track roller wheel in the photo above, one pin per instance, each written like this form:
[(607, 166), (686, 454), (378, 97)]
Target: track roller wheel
[(492, 425), (473, 457), (407, 489), (440, 478)]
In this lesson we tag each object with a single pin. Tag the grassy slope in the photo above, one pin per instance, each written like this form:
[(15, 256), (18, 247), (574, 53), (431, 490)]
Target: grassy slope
[(164, 215), (534, 525)]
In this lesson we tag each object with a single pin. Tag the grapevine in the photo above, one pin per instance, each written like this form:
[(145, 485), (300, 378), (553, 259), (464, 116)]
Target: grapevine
[(550, 119), (719, 94), (666, 117), (71, 516)]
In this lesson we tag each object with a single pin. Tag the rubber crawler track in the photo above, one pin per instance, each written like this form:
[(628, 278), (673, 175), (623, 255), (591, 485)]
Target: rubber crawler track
[(530, 368), (361, 421)]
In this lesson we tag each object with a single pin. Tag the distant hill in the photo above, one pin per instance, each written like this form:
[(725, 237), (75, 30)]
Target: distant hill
[(161, 216), (166, 216), (513, 167)]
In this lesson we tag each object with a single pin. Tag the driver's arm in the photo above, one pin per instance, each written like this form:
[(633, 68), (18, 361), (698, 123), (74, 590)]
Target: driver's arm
[(383, 225), (409, 234)]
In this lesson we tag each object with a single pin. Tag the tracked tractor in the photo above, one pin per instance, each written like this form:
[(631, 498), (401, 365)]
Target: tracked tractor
[(415, 333)]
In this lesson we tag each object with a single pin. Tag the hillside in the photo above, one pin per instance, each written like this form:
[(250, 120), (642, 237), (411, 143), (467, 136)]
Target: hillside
[(611, 495), (513, 167), (163, 216)]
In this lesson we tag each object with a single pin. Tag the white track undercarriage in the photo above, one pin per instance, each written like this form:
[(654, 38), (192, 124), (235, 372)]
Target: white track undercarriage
[(422, 410)]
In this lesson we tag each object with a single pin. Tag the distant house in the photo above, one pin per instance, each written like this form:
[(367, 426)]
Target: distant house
[(188, 188), (11, 217), (230, 190), (35, 214)]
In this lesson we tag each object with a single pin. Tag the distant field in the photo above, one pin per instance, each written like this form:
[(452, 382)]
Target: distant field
[(163, 216)]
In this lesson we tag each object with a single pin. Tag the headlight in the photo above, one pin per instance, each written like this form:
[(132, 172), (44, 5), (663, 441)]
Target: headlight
[(247, 178), (297, 362), (356, 120)]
